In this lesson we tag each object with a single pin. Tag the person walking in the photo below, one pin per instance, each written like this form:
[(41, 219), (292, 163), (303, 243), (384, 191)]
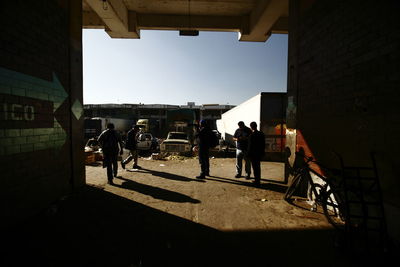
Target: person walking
[(203, 136), (256, 150), (241, 136), (131, 145), (109, 140)]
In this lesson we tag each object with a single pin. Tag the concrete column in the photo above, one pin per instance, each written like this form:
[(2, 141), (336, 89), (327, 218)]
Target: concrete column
[(41, 141), (292, 83), (76, 92)]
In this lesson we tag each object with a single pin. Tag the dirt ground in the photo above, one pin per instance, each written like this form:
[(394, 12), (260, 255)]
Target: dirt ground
[(221, 201), (161, 215)]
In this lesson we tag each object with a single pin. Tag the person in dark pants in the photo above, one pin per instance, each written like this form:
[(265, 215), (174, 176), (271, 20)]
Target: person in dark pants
[(131, 144), (109, 140), (241, 136), (203, 144), (256, 151)]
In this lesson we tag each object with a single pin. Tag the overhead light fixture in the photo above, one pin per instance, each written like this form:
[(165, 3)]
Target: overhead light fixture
[(105, 4), (189, 32)]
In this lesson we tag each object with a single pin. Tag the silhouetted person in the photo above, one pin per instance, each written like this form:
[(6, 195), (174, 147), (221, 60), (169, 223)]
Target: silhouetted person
[(241, 136), (109, 140), (256, 150), (131, 145), (203, 136)]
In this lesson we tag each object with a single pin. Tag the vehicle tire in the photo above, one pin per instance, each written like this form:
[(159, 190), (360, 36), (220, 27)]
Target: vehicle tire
[(334, 210), (293, 186)]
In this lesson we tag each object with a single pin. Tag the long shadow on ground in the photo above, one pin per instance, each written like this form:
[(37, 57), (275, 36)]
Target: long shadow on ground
[(243, 182), (97, 228), (167, 175), (155, 192)]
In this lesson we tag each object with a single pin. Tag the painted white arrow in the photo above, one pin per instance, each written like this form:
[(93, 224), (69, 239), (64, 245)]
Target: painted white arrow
[(19, 84), (14, 141)]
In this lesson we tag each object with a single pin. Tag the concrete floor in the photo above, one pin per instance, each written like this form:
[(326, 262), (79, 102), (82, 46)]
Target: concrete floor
[(161, 215)]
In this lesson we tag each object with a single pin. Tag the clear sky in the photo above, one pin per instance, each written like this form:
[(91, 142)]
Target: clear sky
[(164, 68)]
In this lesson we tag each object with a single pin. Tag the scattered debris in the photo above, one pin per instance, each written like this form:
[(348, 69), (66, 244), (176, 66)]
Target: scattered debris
[(176, 157), (155, 156)]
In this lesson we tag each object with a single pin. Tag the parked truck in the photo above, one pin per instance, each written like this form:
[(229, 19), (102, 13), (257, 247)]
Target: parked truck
[(181, 120), (150, 125), (269, 111), (143, 124), (94, 126)]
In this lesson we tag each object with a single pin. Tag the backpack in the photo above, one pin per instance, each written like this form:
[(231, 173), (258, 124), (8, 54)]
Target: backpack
[(110, 141), (213, 139)]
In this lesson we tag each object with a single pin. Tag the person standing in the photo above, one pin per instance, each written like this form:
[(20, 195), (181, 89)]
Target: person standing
[(131, 145), (256, 150), (109, 140), (203, 136), (241, 136)]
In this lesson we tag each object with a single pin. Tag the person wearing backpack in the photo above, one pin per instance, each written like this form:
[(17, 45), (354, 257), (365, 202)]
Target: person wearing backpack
[(204, 137), (109, 140)]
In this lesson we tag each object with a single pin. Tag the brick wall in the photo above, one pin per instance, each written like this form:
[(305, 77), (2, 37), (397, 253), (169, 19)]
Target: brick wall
[(38, 131), (345, 81)]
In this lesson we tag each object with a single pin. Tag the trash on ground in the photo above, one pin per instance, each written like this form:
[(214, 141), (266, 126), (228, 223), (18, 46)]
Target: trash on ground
[(155, 156)]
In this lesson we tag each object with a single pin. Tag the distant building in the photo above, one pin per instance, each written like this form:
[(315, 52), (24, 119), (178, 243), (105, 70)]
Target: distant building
[(156, 113)]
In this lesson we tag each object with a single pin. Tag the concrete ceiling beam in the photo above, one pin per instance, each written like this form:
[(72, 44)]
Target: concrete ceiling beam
[(90, 20), (118, 21), (281, 25), (180, 22), (255, 20), (262, 19)]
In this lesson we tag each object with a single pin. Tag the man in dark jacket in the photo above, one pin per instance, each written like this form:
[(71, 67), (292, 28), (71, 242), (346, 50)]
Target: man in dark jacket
[(241, 136), (203, 136), (131, 145), (109, 140), (256, 151)]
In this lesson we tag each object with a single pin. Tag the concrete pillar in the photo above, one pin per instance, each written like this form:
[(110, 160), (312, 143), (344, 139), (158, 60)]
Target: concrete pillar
[(292, 84), (76, 95), (41, 127), (344, 82)]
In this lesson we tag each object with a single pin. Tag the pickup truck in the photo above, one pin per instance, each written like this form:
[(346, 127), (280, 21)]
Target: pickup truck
[(146, 141), (176, 142)]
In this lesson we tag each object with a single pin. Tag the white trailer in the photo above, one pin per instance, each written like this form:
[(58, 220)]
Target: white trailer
[(121, 125), (268, 110)]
